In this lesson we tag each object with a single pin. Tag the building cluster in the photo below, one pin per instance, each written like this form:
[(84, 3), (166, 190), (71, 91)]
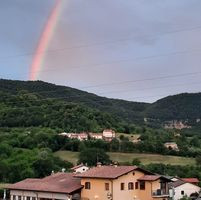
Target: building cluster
[(104, 183), (106, 135)]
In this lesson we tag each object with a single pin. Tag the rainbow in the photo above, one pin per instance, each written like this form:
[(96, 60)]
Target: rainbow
[(44, 40)]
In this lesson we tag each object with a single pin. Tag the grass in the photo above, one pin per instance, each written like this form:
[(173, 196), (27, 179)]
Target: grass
[(130, 136), (3, 185), (128, 157)]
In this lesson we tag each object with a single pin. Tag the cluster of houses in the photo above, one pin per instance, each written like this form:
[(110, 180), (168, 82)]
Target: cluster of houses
[(105, 183), (107, 135)]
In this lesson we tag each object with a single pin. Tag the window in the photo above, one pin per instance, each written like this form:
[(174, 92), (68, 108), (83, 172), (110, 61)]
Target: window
[(33, 198), (182, 192), (87, 186), (136, 185), (14, 197), (130, 186), (122, 186), (142, 185), (107, 186), (19, 198), (28, 198)]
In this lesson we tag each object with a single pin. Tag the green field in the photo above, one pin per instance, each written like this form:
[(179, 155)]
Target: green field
[(128, 157)]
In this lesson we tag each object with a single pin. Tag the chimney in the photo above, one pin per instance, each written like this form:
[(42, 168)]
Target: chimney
[(99, 164), (115, 164), (63, 170)]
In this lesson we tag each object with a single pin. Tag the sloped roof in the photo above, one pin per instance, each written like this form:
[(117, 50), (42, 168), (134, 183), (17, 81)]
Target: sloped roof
[(177, 183), (190, 180), (109, 172), (153, 178), (56, 183), (77, 166)]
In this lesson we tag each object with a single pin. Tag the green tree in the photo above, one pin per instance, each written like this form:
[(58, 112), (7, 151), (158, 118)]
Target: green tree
[(93, 155)]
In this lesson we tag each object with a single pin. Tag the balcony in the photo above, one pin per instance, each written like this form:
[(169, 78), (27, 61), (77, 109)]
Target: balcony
[(160, 193)]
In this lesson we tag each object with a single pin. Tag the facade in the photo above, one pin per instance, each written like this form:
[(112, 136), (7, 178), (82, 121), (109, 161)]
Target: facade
[(109, 134), (80, 168), (122, 183), (180, 188), (80, 136), (63, 186)]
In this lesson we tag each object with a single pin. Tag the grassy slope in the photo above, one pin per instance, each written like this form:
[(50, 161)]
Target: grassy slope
[(128, 157)]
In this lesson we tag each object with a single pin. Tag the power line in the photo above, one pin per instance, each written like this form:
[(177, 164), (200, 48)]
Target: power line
[(121, 61), (140, 80), (87, 95), (123, 82), (102, 43), (151, 88), (128, 60)]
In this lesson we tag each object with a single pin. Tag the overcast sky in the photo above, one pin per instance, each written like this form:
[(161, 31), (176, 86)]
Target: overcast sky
[(139, 50)]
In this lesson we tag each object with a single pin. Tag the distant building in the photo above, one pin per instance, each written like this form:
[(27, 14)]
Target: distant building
[(108, 135), (181, 188), (80, 168), (171, 146), (79, 136), (96, 136)]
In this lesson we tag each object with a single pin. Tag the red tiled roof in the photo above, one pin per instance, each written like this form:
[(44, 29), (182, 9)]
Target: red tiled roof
[(153, 178), (149, 178), (56, 183), (109, 172), (190, 180)]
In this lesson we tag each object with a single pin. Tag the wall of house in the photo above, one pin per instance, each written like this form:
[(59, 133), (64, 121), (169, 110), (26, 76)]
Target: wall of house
[(188, 189), (127, 194), (97, 191), (38, 195)]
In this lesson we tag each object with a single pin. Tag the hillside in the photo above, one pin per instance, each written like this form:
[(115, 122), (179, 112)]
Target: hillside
[(183, 107)]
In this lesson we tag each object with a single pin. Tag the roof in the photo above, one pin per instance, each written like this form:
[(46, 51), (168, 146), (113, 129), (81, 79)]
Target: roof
[(190, 180), (177, 183), (56, 183), (77, 166), (153, 178), (109, 172)]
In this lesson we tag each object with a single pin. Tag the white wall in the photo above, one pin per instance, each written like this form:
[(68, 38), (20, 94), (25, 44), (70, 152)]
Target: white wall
[(39, 194), (188, 189), (81, 169)]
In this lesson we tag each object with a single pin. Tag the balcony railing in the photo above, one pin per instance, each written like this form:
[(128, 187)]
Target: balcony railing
[(160, 193)]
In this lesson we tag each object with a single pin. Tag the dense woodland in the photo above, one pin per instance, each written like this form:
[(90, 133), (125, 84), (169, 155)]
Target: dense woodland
[(33, 113)]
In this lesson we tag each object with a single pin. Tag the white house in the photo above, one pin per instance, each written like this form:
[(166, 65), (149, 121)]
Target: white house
[(180, 188), (80, 168), (109, 134)]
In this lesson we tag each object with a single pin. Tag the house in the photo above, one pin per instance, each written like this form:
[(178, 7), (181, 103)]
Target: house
[(171, 146), (108, 135), (63, 186), (96, 136), (179, 188), (80, 168), (122, 183), (80, 136)]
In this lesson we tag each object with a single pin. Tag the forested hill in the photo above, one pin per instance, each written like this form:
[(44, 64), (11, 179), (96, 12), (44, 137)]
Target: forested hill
[(128, 111), (178, 107)]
